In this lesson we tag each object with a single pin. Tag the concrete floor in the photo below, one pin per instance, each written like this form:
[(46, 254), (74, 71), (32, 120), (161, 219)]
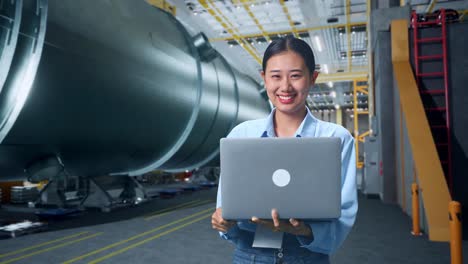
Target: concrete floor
[(164, 231)]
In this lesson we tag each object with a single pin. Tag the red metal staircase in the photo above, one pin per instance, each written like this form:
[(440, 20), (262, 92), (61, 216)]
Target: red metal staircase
[(431, 71)]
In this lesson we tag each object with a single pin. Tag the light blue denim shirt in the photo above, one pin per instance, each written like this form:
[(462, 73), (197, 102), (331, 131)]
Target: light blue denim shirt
[(328, 235)]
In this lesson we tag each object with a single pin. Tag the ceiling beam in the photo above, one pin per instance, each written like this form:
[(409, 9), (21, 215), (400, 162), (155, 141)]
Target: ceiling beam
[(342, 76), (291, 23), (431, 6), (218, 15), (282, 32), (247, 9), (463, 15)]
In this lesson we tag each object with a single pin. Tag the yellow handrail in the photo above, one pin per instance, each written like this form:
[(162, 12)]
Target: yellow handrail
[(434, 190), (358, 137)]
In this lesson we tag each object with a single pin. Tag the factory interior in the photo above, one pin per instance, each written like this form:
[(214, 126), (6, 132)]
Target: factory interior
[(112, 112)]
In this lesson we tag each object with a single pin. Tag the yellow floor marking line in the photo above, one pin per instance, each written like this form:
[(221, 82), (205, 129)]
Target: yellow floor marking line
[(149, 239), (40, 245), (170, 209), (49, 249), (134, 237), (192, 205)]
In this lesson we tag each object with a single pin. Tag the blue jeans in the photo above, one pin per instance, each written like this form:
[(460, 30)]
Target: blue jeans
[(267, 256)]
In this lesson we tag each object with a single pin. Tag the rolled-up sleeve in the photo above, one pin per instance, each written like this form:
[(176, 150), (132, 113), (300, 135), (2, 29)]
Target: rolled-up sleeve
[(329, 235)]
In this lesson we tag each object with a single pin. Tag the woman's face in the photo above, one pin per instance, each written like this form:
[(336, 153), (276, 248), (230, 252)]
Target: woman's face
[(287, 81)]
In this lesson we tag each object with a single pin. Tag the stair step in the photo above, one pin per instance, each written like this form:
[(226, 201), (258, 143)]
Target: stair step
[(428, 40), (436, 109), (439, 91), (430, 74), (431, 57), (432, 22)]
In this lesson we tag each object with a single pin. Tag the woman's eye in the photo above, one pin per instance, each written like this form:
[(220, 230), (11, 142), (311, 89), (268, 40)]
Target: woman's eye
[(275, 76), (295, 76)]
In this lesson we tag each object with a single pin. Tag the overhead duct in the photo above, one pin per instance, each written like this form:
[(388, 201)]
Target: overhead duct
[(124, 93)]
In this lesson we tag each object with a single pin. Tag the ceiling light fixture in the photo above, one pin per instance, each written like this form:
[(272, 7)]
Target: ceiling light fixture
[(317, 43), (333, 94), (330, 84), (325, 68)]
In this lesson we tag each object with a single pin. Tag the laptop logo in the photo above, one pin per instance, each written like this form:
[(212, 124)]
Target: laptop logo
[(281, 178)]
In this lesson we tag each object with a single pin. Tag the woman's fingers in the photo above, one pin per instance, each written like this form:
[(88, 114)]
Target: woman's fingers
[(221, 228), (218, 223), (294, 222), (275, 217), (293, 226)]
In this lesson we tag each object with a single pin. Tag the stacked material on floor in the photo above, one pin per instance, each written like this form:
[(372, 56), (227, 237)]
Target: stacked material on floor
[(169, 192), (23, 194), (21, 228), (58, 213), (190, 188), (207, 184)]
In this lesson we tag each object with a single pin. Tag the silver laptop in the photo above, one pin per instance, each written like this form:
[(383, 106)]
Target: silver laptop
[(301, 177)]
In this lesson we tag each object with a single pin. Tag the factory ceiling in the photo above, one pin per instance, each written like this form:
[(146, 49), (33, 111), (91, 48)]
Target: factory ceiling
[(335, 29)]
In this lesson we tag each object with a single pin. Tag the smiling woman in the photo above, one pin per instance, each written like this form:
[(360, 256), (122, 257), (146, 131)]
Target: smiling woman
[(289, 72), (288, 77)]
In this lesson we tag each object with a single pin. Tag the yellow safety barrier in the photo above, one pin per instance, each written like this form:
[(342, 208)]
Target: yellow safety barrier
[(416, 228), (455, 232)]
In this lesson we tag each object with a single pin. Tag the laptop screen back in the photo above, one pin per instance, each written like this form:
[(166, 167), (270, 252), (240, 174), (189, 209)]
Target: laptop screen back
[(300, 177)]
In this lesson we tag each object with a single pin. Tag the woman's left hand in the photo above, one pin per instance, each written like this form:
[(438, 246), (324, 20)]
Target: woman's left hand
[(293, 226)]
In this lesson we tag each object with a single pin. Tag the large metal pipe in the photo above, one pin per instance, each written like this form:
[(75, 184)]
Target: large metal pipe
[(121, 93)]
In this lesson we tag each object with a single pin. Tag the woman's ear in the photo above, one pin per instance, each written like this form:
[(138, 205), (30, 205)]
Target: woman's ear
[(262, 73), (314, 77)]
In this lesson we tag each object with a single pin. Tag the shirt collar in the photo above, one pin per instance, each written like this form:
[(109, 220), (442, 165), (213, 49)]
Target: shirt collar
[(307, 126)]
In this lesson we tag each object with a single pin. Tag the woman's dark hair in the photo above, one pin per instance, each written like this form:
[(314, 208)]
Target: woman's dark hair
[(290, 43)]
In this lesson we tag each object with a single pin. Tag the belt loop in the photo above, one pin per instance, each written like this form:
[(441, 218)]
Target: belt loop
[(280, 253), (280, 256)]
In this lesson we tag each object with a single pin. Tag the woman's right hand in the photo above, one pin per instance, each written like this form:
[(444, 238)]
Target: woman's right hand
[(218, 223)]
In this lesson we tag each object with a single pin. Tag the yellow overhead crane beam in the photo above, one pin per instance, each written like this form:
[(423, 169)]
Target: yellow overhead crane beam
[(251, 14), (431, 6), (163, 5), (218, 15), (341, 76), (282, 32), (462, 14), (291, 23)]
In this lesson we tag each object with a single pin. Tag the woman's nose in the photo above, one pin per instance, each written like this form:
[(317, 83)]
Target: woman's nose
[(285, 84)]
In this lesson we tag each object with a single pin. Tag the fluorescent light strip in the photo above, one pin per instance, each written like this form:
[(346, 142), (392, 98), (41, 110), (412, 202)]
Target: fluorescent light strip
[(317, 43)]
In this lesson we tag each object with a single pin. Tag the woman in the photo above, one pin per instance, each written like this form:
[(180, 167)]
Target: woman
[(289, 72)]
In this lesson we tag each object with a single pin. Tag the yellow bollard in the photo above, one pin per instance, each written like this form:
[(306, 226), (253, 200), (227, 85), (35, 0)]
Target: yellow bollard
[(455, 232), (416, 229)]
